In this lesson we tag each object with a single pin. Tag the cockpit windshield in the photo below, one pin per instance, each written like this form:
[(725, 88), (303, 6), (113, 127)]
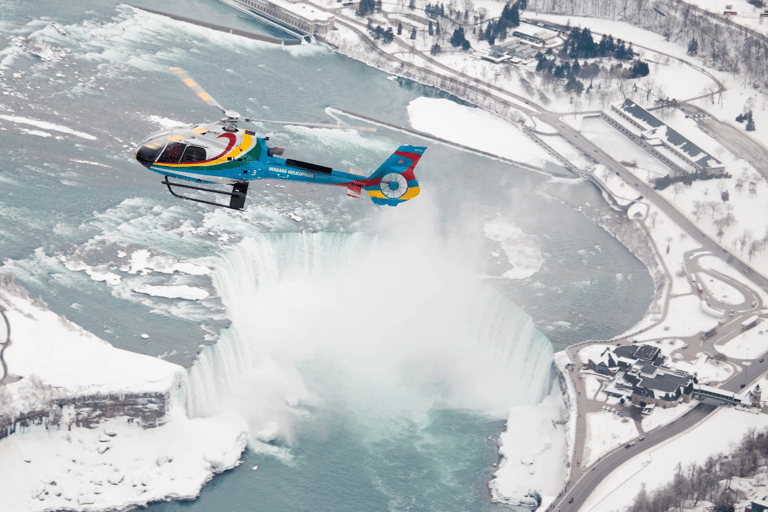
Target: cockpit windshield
[(169, 153)]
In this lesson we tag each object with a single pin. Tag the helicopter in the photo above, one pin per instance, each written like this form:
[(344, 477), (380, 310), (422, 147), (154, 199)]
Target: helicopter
[(222, 153)]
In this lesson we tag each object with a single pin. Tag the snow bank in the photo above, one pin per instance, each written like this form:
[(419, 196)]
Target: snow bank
[(534, 451), (119, 464), (474, 128), (63, 355)]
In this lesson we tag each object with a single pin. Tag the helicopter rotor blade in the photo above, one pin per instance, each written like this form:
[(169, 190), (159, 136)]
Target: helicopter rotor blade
[(197, 89), (319, 125)]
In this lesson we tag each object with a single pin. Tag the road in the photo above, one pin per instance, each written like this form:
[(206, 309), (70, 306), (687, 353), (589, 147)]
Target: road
[(732, 138), (584, 487), (5, 342)]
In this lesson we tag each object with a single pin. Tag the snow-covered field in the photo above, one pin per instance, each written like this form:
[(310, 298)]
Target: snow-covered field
[(750, 344), (606, 431), (476, 128), (657, 466)]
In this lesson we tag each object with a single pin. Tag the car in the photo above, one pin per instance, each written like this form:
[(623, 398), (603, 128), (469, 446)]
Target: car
[(641, 438), (742, 386), (762, 359), (570, 500)]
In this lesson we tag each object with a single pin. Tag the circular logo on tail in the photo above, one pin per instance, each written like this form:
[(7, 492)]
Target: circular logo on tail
[(393, 185)]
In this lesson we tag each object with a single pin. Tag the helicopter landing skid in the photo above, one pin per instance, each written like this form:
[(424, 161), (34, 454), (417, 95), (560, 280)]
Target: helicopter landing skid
[(236, 201)]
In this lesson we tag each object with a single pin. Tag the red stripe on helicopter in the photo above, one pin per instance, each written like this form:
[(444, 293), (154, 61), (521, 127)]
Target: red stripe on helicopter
[(408, 173), (232, 141)]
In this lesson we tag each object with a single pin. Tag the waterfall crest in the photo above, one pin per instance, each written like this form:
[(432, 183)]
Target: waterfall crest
[(376, 312)]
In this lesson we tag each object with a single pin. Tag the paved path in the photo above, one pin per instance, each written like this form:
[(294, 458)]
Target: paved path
[(5, 342)]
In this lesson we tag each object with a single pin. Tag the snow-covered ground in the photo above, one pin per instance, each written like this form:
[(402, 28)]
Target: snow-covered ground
[(606, 431), (656, 467), (685, 317), (750, 344), (475, 128), (119, 463), (660, 416)]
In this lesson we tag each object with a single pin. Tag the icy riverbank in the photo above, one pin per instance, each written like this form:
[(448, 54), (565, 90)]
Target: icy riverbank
[(91, 427)]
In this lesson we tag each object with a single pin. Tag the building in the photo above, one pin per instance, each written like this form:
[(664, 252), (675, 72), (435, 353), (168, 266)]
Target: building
[(757, 506), (659, 139), (518, 50), (606, 363), (641, 378), (301, 17)]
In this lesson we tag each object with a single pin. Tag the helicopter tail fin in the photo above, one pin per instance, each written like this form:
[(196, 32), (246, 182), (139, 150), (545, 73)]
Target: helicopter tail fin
[(394, 181)]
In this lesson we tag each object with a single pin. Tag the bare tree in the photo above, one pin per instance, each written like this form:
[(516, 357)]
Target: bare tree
[(676, 189), (712, 206), (698, 209), (743, 239)]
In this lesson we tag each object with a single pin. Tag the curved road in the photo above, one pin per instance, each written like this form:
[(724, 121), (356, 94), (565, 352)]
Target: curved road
[(609, 463), (3, 345)]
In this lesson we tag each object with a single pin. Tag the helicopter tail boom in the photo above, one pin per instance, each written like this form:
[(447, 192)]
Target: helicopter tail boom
[(395, 181)]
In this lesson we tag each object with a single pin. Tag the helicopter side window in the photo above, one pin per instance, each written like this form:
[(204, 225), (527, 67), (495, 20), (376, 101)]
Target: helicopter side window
[(193, 154), (172, 153)]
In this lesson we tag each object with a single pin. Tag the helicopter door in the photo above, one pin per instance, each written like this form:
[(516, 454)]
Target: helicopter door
[(193, 154), (172, 153)]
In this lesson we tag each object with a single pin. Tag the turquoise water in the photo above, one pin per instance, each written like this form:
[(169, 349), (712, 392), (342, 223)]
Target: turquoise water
[(69, 199)]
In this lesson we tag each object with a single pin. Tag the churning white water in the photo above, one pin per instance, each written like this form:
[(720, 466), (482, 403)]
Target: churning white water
[(388, 327)]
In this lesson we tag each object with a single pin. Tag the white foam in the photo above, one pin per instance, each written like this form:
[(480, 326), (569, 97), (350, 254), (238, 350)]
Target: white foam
[(173, 292), (46, 126)]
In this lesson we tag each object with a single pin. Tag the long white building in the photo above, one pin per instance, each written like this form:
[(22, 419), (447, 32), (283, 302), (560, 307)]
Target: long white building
[(300, 16)]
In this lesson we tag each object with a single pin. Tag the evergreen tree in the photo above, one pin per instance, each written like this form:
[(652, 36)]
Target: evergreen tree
[(576, 68), (490, 34), (466, 46), (639, 69), (750, 122), (693, 47), (413, 33), (435, 49), (365, 7), (574, 86), (412, 4), (431, 29), (400, 28), (388, 36), (458, 37), (437, 29)]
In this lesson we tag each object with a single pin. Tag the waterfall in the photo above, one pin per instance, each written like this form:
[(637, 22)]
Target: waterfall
[(371, 312)]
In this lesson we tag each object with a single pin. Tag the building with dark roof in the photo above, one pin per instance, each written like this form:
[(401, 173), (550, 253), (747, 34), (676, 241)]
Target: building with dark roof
[(643, 380), (659, 139)]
